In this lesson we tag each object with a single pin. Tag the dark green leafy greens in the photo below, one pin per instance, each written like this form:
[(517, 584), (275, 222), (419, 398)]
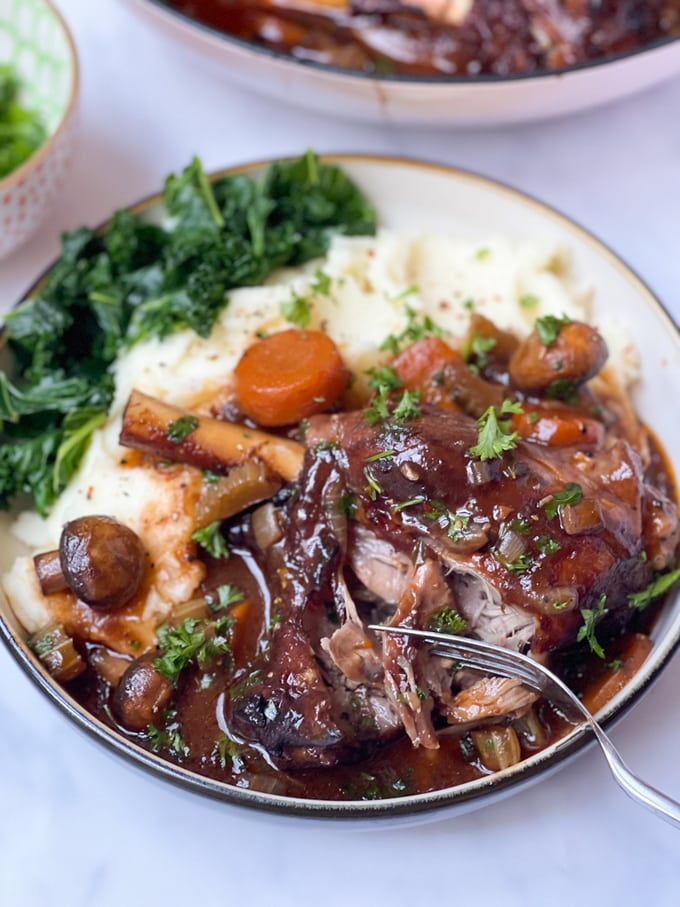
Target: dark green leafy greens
[(21, 130), (137, 280)]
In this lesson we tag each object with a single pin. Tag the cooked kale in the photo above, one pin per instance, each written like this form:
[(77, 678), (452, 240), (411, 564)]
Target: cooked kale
[(21, 130), (136, 280)]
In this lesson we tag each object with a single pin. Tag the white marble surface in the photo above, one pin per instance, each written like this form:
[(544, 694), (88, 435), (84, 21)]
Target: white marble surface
[(80, 828)]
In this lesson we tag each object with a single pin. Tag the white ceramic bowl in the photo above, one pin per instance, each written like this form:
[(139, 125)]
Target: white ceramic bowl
[(434, 101), (35, 39), (411, 196)]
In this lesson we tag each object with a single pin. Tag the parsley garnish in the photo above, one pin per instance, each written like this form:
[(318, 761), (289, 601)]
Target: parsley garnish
[(591, 617), (528, 301), (383, 455), (347, 506), (570, 494), (416, 329), (478, 346), (519, 565), (454, 523), (495, 436), (374, 487), (448, 620), (547, 545), (402, 505), (181, 428), (385, 377), (322, 283), (656, 588), (210, 538), (549, 327), (169, 737), (194, 640), (227, 594), (297, 310), (406, 407), (226, 749)]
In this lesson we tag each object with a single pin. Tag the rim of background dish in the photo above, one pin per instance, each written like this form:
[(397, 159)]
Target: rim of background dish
[(44, 150), (433, 803), (215, 34)]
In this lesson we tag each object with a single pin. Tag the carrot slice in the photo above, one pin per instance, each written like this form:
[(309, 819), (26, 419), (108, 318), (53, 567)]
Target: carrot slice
[(288, 376), (416, 365), (557, 428)]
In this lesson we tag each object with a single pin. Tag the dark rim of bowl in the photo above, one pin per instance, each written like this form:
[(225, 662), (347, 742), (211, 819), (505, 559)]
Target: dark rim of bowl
[(501, 783), (479, 78)]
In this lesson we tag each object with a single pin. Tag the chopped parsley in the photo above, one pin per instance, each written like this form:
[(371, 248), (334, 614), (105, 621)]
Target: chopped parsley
[(528, 301), (210, 538), (417, 328), (549, 327), (385, 377), (322, 283), (227, 594), (477, 346), (520, 524), (448, 620), (181, 428), (412, 502), (195, 641), (404, 408), (374, 487), (570, 494), (656, 588), (383, 455), (547, 545), (347, 506), (454, 523), (227, 751), (591, 617), (495, 436), (519, 565), (297, 311), (407, 406)]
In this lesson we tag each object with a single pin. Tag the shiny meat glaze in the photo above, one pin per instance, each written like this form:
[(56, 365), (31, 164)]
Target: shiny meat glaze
[(405, 483)]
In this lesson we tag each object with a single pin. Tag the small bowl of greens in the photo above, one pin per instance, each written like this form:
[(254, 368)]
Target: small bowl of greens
[(38, 92)]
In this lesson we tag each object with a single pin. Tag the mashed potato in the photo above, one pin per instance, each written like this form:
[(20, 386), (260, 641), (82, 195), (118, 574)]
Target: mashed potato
[(369, 287)]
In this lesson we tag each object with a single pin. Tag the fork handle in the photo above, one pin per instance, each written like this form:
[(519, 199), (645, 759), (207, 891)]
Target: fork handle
[(659, 803)]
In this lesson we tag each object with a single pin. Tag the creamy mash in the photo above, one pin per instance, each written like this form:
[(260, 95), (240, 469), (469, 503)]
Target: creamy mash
[(374, 284)]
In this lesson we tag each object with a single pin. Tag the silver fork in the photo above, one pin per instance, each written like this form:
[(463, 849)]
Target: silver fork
[(501, 662)]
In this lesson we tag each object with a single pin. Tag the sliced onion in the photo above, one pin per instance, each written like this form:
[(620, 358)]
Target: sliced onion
[(478, 472), (265, 526), (581, 518), (498, 747), (529, 726), (111, 665), (511, 546)]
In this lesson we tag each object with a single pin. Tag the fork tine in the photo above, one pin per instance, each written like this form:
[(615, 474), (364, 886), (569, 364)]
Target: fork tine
[(476, 654), (475, 663)]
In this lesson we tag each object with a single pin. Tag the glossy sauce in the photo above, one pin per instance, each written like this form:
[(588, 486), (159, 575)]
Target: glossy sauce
[(201, 704)]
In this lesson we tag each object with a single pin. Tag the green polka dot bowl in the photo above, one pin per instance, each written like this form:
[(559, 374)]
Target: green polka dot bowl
[(37, 46)]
